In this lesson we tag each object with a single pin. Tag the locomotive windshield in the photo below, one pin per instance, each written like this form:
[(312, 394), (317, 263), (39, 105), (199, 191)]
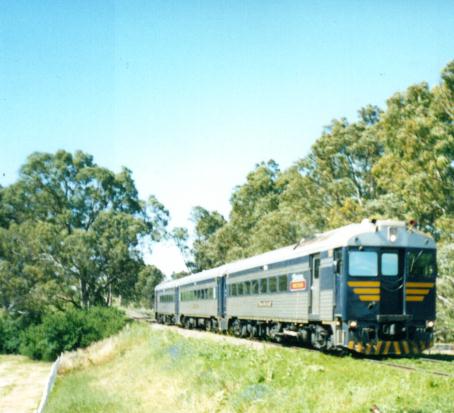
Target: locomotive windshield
[(421, 263), (389, 263), (363, 263)]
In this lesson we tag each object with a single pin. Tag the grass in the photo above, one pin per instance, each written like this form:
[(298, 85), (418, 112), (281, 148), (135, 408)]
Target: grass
[(154, 371)]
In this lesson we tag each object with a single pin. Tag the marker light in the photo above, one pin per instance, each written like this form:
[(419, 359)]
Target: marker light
[(429, 324), (353, 324)]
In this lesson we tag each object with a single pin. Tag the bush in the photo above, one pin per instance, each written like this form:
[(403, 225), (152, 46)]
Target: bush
[(9, 335), (69, 330)]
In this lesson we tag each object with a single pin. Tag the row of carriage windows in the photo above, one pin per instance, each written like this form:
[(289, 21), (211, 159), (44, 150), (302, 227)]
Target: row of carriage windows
[(252, 287), (202, 294), (261, 286), (166, 298)]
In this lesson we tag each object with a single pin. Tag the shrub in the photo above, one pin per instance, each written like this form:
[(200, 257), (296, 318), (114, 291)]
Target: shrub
[(65, 331), (9, 334)]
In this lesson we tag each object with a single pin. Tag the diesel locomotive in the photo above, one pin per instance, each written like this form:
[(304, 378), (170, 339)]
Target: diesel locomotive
[(367, 287)]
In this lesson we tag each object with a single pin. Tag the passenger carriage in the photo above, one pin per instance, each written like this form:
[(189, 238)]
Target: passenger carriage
[(368, 287)]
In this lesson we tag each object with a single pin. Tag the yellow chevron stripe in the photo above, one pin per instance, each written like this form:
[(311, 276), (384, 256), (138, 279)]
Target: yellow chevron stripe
[(368, 348), (405, 347), (359, 347), (415, 347), (366, 290), (351, 345), (363, 283), (387, 346), (396, 347), (369, 298), (420, 285), (415, 298), (418, 291), (377, 349)]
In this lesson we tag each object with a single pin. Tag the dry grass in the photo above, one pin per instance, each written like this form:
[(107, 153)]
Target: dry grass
[(22, 383)]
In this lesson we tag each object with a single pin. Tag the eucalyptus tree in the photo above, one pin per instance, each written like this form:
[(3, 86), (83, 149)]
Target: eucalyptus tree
[(74, 233)]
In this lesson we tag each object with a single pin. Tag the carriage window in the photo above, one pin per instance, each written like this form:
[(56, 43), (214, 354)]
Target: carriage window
[(247, 287), (363, 263), (254, 286), (389, 264), (282, 283), (240, 288), (421, 264), (263, 286), (233, 290), (272, 284)]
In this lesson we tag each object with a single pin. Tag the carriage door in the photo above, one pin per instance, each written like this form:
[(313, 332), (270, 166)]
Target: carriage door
[(221, 295), (314, 263), (177, 300)]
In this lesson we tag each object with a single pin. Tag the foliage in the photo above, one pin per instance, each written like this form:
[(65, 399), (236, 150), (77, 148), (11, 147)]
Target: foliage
[(179, 374), (9, 335), (396, 163), (149, 277), (71, 234), (445, 293), (180, 274), (65, 331)]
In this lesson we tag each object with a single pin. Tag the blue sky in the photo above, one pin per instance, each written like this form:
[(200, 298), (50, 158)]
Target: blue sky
[(190, 95)]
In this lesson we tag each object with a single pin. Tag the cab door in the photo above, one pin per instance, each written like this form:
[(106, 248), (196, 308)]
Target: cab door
[(391, 264)]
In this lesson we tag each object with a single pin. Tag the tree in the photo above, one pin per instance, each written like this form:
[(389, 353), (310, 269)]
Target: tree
[(180, 274), (207, 224), (149, 277), (396, 164), (80, 227), (417, 166), (180, 236), (445, 292)]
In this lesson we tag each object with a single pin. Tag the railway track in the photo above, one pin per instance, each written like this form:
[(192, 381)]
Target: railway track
[(413, 368), (384, 362)]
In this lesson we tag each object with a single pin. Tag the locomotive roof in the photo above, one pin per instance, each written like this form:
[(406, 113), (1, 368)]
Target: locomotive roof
[(365, 233)]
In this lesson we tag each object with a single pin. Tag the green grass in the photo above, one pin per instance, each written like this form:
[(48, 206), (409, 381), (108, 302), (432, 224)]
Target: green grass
[(156, 371)]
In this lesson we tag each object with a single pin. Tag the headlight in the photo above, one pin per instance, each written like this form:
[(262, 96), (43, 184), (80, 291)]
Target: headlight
[(353, 324), (430, 324)]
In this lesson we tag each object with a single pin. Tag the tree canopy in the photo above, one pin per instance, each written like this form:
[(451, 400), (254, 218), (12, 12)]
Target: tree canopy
[(72, 233), (394, 163)]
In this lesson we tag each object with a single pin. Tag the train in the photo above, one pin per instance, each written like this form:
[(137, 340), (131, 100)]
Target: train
[(367, 287)]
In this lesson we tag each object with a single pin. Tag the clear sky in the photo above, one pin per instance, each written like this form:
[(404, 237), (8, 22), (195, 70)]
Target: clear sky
[(190, 95)]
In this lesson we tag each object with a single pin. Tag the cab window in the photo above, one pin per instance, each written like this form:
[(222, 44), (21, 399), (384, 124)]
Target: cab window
[(363, 263), (421, 264), (389, 264)]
